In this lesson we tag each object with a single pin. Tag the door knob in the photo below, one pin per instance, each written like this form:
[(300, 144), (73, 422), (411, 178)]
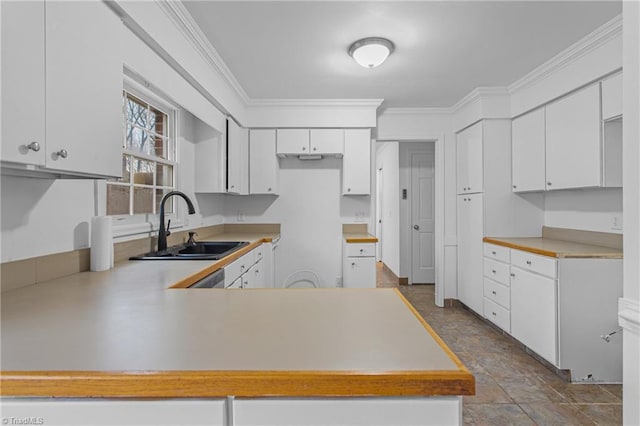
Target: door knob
[(416, 227)]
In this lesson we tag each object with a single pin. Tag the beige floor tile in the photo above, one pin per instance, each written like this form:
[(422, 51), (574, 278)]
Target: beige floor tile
[(550, 413)]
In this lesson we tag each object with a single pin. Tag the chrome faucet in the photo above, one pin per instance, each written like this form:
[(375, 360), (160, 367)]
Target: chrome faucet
[(162, 232)]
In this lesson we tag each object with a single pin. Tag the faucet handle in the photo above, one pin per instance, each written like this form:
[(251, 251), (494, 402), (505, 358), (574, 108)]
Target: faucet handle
[(191, 240), (168, 232)]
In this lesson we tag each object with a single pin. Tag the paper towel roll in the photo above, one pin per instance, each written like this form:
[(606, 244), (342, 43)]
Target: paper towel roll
[(101, 243)]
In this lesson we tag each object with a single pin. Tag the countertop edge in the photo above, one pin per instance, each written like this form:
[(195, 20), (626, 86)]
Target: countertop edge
[(359, 238), (550, 253), (190, 384)]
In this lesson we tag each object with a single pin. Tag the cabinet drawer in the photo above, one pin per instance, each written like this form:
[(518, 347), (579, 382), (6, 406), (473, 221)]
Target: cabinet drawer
[(361, 250), (497, 315), (238, 267), (495, 252), (496, 271), (497, 293), (532, 262)]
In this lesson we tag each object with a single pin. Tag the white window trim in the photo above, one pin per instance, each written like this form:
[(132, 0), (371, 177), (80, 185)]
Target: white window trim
[(147, 223)]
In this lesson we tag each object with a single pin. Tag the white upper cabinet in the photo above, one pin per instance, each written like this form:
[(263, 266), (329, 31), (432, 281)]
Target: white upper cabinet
[(612, 97), (356, 164), (62, 87), (573, 157), (310, 142), (23, 107), (469, 160), (327, 141), (528, 152), (263, 162), (293, 141), (237, 159)]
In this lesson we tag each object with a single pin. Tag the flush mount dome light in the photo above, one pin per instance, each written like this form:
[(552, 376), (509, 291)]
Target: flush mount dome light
[(371, 52)]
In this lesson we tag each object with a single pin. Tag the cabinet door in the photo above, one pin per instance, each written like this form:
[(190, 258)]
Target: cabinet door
[(356, 164), (327, 141), (533, 312), (292, 141), (83, 88), (359, 272), (470, 233), (573, 157), (257, 278), (23, 102), (469, 160), (612, 97), (237, 159), (263, 162), (527, 152)]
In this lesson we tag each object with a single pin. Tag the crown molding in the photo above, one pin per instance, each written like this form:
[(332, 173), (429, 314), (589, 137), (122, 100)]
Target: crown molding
[(192, 32), (417, 110), (477, 94), (366, 103), (582, 47)]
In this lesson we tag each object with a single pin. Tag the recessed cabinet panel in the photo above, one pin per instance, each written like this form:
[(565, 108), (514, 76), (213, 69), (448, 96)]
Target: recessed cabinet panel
[(470, 160), (263, 162), (23, 77), (83, 88), (470, 262), (356, 163), (327, 141), (612, 97), (292, 141), (237, 159), (528, 152), (573, 158)]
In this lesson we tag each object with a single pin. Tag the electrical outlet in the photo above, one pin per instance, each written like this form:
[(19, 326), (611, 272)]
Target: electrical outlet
[(616, 223), (338, 281), (240, 216)]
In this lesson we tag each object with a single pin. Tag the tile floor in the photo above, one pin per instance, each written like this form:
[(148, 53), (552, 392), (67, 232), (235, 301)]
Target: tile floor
[(512, 388)]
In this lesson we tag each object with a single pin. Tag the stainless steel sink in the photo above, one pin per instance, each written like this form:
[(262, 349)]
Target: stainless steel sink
[(201, 250)]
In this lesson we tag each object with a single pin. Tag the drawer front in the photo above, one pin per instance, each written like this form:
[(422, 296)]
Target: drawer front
[(532, 262), (497, 315), (238, 267), (497, 293), (495, 252), (496, 271), (361, 250)]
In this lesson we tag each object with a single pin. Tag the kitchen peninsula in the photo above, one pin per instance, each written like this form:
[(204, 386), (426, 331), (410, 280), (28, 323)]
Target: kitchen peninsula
[(273, 356)]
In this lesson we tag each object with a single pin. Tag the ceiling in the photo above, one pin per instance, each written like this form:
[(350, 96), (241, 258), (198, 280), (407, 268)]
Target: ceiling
[(444, 49)]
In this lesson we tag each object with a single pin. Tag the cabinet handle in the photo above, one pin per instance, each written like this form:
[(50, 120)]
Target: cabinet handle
[(353, 263), (34, 146), (513, 275), (348, 189), (493, 253), (304, 148), (549, 183), (529, 262), (493, 270), (314, 148), (269, 189), (233, 186), (493, 313), (493, 292), (61, 154), (515, 186), (242, 267), (361, 250)]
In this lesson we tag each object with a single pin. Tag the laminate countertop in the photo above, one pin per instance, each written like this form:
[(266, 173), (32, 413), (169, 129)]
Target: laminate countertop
[(557, 248), (125, 333)]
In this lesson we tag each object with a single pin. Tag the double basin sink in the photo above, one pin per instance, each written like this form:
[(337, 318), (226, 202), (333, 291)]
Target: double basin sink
[(201, 250)]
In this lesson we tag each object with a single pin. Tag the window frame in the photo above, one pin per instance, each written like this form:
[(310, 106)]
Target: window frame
[(142, 223)]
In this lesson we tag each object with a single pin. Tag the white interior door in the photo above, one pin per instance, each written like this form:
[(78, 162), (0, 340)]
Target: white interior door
[(422, 217), (379, 200)]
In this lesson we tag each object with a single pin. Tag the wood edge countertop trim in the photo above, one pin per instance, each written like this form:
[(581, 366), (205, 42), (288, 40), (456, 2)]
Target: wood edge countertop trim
[(191, 279), (529, 249), (359, 238), (433, 334), (198, 384)]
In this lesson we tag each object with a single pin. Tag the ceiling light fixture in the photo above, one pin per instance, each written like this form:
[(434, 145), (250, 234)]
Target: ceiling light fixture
[(371, 52)]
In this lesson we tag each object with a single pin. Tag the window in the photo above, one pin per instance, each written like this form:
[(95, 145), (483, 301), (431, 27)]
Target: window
[(148, 159)]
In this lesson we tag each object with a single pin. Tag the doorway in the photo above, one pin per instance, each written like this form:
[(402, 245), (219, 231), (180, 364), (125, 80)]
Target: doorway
[(379, 209), (421, 191)]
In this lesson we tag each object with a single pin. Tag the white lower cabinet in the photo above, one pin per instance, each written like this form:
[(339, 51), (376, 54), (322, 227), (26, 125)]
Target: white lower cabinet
[(71, 412), (348, 411), (533, 312), (359, 265), (559, 308)]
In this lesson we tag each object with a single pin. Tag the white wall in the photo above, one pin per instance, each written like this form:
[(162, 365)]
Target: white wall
[(586, 209), (311, 211), (630, 304), (387, 158)]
